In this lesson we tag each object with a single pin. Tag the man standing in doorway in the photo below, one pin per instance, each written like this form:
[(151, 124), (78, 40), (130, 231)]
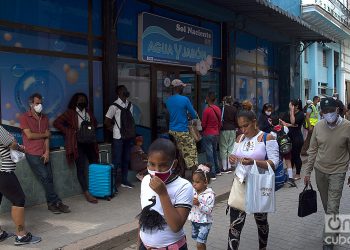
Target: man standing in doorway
[(36, 140), (312, 115), (179, 107), (329, 155), (121, 146)]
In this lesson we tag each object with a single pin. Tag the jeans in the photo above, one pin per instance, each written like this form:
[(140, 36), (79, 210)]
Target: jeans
[(44, 174), (121, 156), (85, 151), (210, 145)]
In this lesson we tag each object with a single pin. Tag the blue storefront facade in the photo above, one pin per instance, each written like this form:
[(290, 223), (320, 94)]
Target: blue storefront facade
[(59, 47)]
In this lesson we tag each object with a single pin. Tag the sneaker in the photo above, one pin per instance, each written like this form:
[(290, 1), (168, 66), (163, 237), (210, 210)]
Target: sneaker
[(228, 171), (291, 182), (27, 239), (127, 185), (212, 177), (63, 208), (53, 208), (139, 176), (115, 190), (218, 174), (5, 235)]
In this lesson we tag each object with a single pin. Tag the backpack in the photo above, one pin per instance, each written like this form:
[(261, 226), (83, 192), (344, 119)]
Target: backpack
[(127, 123), (280, 174), (284, 142), (86, 133)]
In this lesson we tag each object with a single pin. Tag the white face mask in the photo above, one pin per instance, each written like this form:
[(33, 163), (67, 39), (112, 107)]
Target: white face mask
[(330, 117), (38, 108), (268, 113)]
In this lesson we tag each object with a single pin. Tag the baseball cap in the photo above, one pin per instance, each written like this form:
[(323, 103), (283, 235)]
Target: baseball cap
[(328, 102), (308, 102), (177, 82)]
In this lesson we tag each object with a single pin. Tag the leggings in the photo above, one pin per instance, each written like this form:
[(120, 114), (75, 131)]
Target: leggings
[(237, 219), (11, 189), (85, 151), (297, 145)]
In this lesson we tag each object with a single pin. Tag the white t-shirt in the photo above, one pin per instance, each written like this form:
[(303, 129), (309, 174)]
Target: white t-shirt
[(181, 195), (114, 114), (82, 114)]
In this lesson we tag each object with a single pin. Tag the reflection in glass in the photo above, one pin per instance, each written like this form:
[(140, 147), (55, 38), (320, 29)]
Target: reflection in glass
[(209, 82), (136, 77)]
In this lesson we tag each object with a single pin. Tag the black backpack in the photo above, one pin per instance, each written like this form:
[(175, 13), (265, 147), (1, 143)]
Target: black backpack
[(86, 133), (127, 122), (284, 142)]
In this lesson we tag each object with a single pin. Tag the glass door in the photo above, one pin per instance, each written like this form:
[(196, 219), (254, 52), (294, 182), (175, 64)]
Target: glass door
[(162, 77)]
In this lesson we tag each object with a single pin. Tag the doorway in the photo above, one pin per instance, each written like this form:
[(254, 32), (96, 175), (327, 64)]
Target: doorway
[(162, 76)]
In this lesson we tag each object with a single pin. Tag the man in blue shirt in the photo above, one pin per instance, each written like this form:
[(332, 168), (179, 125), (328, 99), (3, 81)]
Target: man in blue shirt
[(179, 108)]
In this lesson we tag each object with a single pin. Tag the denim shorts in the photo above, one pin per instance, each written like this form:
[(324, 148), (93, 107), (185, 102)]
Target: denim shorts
[(200, 231)]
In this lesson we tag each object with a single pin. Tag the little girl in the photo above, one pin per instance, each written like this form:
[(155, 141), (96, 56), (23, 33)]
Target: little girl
[(203, 204), (166, 200)]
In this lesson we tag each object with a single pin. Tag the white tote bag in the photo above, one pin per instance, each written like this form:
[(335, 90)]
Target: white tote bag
[(260, 192)]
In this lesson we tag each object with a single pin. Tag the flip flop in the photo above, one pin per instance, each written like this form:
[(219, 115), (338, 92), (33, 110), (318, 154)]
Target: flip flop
[(5, 235)]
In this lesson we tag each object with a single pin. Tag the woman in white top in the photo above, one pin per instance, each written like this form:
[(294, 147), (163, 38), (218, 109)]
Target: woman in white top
[(250, 146)]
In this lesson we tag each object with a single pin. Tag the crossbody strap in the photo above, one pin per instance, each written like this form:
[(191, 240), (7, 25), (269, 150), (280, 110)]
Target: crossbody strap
[(217, 117)]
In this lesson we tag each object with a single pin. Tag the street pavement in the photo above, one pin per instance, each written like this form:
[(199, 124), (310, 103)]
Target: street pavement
[(287, 230)]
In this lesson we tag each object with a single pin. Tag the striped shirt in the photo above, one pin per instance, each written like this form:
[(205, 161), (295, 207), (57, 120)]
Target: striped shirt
[(6, 139)]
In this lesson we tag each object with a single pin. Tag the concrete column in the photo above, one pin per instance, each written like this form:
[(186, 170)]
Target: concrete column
[(330, 70), (314, 69)]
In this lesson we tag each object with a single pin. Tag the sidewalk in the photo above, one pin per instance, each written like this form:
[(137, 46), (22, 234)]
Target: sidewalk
[(88, 225)]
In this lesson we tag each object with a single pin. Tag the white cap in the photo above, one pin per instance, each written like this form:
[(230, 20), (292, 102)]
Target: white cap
[(177, 82), (308, 102)]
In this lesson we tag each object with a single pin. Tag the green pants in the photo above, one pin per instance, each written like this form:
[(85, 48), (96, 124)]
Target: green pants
[(226, 142), (187, 146), (330, 187)]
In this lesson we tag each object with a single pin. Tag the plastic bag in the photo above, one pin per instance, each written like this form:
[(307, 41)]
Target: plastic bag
[(260, 192), (17, 156)]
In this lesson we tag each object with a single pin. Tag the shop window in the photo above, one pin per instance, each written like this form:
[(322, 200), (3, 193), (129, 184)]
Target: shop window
[(42, 41), (57, 14), (128, 19), (245, 47), (245, 88), (57, 79), (209, 83), (136, 77), (97, 17)]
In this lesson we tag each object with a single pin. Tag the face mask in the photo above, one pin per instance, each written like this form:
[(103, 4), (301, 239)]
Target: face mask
[(126, 94), (268, 113), (335, 98), (330, 117), (81, 105), (164, 176), (38, 108)]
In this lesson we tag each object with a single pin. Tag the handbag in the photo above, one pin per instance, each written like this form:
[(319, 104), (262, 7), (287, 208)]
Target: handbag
[(17, 156), (194, 132), (307, 202), (236, 198), (260, 192)]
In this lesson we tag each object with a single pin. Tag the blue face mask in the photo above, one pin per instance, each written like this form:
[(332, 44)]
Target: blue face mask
[(330, 117)]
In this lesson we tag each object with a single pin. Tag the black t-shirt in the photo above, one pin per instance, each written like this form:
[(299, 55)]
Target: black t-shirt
[(299, 121)]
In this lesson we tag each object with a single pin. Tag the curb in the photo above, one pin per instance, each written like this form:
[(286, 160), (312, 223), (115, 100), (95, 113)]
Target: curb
[(117, 238)]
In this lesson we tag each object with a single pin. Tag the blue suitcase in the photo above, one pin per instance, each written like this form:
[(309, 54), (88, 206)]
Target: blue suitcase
[(102, 178)]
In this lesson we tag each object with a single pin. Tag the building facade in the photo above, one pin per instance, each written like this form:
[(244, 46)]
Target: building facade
[(325, 66)]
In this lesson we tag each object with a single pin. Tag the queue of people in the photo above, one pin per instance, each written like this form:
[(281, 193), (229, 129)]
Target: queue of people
[(167, 198)]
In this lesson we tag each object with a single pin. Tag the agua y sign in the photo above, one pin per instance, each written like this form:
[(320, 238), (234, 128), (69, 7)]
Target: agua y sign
[(167, 41)]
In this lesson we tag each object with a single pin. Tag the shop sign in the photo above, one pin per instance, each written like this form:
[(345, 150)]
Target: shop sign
[(166, 41)]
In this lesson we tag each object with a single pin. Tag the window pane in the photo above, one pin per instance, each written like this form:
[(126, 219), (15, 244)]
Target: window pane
[(56, 79), (58, 14), (42, 41), (246, 47), (136, 77), (209, 82), (245, 88), (97, 17)]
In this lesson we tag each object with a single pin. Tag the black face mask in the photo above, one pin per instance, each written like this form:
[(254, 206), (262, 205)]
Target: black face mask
[(126, 94), (81, 105)]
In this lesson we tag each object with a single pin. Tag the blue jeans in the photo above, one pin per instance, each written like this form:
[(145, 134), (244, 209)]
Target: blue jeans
[(44, 174), (200, 231), (210, 145), (121, 156)]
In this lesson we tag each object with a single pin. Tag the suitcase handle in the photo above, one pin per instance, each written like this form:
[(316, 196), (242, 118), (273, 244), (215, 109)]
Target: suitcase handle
[(100, 155)]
